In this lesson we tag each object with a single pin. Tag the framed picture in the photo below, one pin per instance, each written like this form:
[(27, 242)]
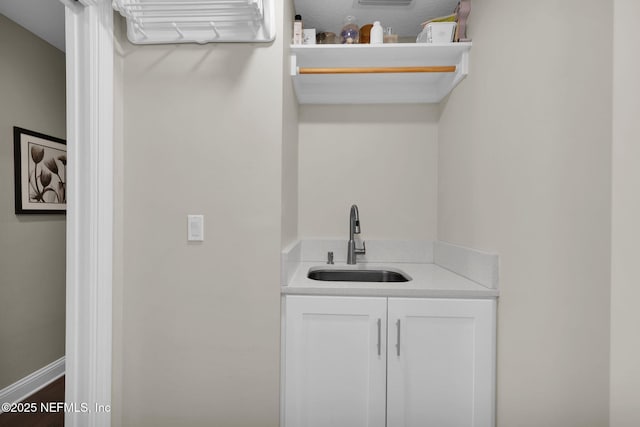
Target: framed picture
[(40, 165)]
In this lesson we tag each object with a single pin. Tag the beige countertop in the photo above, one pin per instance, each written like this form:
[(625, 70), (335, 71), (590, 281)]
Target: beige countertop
[(428, 281)]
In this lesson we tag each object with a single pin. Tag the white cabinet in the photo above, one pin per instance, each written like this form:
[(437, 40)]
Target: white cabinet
[(395, 362), (441, 363), (335, 361)]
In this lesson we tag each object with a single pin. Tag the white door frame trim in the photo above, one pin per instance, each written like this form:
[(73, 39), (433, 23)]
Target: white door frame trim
[(89, 52)]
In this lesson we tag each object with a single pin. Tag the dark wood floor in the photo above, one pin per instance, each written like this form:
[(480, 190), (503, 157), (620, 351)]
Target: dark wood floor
[(54, 392)]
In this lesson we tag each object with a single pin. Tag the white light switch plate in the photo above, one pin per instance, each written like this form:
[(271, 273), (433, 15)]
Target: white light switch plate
[(195, 228)]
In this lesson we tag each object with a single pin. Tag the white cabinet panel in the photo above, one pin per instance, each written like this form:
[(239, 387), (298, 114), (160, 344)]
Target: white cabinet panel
[(396, 362), (335, 362), (441, 363)]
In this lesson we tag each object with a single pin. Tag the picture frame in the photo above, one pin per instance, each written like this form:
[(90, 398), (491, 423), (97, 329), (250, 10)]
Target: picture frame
[(40, 167)]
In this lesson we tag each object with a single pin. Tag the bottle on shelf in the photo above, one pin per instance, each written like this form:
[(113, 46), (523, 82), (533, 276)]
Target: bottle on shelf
[(376, 36), (297, 30)]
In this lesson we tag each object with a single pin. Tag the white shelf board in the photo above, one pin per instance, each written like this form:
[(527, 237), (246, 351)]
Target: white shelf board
[(377, 88)]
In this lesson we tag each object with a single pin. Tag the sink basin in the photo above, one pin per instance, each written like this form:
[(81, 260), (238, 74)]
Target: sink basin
[(337, 275)]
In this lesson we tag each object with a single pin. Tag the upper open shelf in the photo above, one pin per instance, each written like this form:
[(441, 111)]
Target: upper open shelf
[(395, 73)]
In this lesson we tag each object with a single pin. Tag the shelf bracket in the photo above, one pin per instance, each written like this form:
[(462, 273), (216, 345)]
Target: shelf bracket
[(462, 69)]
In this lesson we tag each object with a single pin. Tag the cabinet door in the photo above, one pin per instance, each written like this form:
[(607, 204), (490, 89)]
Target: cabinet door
[(335, 361), (441, 365)]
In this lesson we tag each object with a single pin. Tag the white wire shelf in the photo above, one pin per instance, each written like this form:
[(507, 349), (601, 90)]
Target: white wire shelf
[(197, 21)]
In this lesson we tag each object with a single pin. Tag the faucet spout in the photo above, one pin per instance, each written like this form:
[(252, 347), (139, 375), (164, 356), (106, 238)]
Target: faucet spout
[(354, 228), (354, 221)]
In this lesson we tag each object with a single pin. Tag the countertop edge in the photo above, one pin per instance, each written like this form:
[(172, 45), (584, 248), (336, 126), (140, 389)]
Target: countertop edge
[(399, 293)]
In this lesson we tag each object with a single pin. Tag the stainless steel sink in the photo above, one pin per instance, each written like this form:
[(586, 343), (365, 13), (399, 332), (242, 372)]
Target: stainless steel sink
[(337, 275)]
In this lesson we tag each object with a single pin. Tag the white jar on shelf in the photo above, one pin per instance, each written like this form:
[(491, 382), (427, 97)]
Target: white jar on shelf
[(377, 33)]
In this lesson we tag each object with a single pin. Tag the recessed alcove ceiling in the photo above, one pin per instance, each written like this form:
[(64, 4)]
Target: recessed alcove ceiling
[(328, 15)]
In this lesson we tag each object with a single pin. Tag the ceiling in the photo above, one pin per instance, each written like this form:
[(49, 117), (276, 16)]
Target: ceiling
[(44, 18), (328, 15)]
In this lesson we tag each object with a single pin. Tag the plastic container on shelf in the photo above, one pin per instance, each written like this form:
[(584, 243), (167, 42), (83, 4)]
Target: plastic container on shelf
[(350, 33), (365, 32), (376, 35), (389, 37), (326, 37), (437, 32), (309, 36)]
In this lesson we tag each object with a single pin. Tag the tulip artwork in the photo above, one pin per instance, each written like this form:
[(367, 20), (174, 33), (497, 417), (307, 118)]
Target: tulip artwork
[(40, 170), (46, 184)]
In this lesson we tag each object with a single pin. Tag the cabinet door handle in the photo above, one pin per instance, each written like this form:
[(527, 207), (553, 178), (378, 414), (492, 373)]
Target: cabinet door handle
[(398, 341), (379, 337)]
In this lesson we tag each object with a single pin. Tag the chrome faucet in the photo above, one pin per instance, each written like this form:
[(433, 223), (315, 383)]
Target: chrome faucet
[(354, 228)]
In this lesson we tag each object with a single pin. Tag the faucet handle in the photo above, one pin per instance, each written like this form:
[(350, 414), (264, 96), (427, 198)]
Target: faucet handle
[(330, 257), (363, 250)]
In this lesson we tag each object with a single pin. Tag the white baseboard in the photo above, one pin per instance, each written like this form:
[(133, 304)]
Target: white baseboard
[(32, 382)]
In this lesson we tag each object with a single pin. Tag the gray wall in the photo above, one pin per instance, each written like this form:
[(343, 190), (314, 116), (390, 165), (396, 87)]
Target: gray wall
[(32, 248), (625, 292), (355, 154), (525, 170), (199, 130)]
